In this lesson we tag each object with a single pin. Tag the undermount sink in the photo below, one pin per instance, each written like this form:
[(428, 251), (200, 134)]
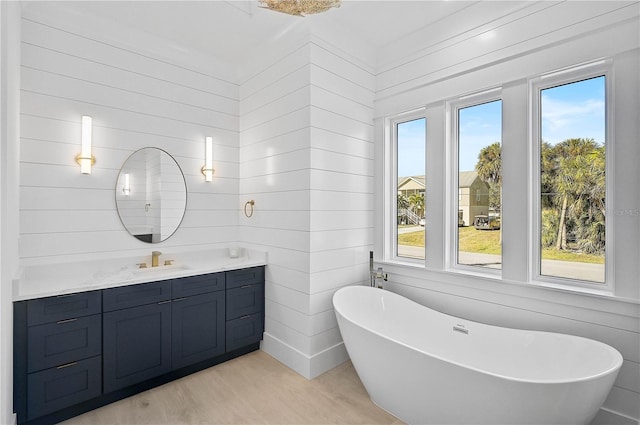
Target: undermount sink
[(174, 268)]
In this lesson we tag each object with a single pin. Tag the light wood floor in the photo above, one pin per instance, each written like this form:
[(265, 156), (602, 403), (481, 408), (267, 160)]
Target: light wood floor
[(252, 389)]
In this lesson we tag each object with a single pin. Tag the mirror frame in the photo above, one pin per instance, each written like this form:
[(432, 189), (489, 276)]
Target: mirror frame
[(184, 182)]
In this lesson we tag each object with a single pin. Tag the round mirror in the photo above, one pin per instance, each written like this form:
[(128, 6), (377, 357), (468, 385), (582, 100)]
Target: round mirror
[(151, 195)]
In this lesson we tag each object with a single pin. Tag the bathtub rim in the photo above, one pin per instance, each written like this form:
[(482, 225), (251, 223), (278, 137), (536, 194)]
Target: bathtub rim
[(611, 370)]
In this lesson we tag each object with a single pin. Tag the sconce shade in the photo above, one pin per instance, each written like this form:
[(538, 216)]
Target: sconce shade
[(85, 159), (127, 186), (207, 170)]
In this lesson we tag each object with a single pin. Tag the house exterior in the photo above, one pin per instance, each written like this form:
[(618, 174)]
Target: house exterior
[(473, 197), (411, 185), (473, 194)]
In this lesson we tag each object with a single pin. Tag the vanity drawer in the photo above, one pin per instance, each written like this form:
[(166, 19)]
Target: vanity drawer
[(244, 277), (69, 384), (245, 300), (55, 344), (196, 285), (136, 295), (244, 331), (53, 309)]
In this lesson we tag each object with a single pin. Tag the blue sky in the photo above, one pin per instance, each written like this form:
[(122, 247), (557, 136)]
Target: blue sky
[(569, 111)]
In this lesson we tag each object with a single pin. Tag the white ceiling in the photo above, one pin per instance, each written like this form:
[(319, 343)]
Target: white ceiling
[(229, 29)]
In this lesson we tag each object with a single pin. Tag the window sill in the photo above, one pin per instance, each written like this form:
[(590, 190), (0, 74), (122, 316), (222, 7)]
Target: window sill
[(494, 287)]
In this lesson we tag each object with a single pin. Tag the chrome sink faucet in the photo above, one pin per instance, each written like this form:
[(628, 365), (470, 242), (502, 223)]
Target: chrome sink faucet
[(155, 256)]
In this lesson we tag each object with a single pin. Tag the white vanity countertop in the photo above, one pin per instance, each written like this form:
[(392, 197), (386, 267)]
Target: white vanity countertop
[(37, 281)]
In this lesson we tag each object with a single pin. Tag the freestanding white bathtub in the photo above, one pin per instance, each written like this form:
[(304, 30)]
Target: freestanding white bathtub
[(426, 367)]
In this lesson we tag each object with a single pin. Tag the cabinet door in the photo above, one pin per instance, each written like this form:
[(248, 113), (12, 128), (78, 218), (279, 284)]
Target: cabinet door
[(62, 307), (135, 295), (136, 345), (244, 331), (195, 285), (245, 300), (243, 277), (54, 344), (56, 388), (198, 327)]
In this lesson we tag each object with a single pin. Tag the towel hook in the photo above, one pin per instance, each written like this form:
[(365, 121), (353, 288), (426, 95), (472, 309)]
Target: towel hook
[(249, 204)]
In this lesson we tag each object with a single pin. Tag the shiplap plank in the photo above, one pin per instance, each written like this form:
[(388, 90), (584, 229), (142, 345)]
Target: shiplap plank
[(510, 40), (64, 221), (79, 68), (285, 162), (336, 63), (323, 159), (340, 258), (41, 34), (278, 182), (337, 220), (340, 143), (68, 88), (71, 110), (295, 240), (39, 131), (279, 145), (339, 104), (326, 200), (340, 182), (289, 80), (292, 121), (289, 101), (331, 121), (291, 200), (338, 84), (271, 71), (326, 240), (504, 313)]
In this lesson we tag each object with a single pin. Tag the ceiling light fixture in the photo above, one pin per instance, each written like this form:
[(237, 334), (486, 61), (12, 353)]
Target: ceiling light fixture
[(299, 7)]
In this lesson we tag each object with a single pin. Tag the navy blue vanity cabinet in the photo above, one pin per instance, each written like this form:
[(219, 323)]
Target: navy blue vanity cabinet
[(245, 307), (59, 352), (78, 352), (197, 319), (137, 333)]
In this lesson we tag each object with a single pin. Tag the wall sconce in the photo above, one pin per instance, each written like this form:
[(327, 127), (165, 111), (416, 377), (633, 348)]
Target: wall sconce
[(85, 159), (208, 170), (127, 187)]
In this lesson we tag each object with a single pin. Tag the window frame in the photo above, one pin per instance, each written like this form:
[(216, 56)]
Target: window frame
[(390, 238), (452, 108), (537, 84)]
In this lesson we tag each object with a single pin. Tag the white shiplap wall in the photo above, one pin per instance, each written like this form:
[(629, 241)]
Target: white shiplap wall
[(136, 100), (528, 38), (307, 161)]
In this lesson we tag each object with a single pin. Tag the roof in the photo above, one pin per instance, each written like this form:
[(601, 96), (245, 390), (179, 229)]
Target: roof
[(465, 179), (420, 180)]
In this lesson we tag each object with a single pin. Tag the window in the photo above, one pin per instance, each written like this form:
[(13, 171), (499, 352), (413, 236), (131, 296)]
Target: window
[(477, 128), (571, 176), (410, 137), (557, 182)]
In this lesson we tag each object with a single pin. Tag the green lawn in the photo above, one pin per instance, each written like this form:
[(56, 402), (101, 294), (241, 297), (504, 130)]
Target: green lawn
[(488, 242)]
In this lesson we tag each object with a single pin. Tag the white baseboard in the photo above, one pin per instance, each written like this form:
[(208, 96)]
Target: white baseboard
[(609, 417), (307, 366)]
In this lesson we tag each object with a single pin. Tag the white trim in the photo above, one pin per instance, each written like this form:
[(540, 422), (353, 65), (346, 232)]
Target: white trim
[(390, 202), (536, 85), (453, 106), (307, 366)]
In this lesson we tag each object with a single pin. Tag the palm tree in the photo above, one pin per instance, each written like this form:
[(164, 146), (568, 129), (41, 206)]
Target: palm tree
[(489, 169), (573, 176), (417, 203)]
